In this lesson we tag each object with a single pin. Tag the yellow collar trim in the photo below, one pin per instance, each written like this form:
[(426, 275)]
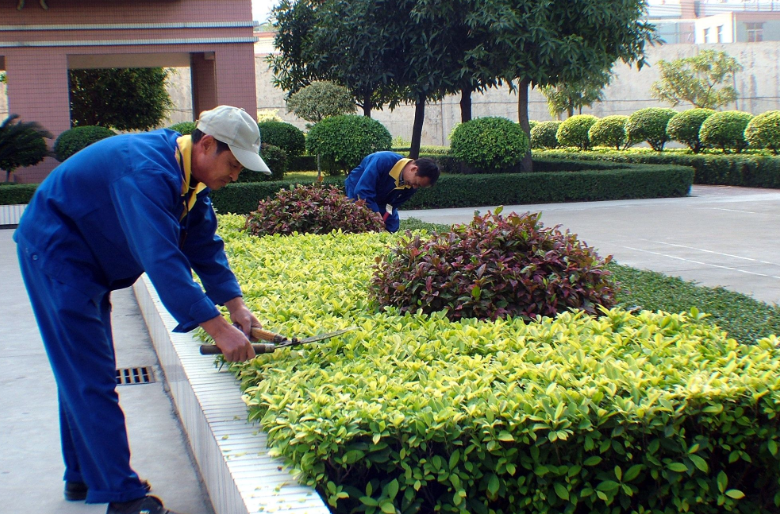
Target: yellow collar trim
[(396, 173), (184, 156)]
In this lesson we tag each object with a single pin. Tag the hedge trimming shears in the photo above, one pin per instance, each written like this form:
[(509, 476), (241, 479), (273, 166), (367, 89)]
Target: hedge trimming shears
[(275, 341)]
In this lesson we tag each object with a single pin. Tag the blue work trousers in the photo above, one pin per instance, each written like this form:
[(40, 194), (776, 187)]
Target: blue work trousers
[(76, 332)]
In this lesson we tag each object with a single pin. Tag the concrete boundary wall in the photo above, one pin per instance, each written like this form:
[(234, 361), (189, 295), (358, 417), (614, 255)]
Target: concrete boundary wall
[(758, 86)]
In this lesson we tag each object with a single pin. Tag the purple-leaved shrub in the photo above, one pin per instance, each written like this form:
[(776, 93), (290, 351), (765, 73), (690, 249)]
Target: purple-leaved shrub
[(312, 209), (492, 268)]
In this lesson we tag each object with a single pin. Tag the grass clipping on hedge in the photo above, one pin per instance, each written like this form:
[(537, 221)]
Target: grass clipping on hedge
[(647, 412)]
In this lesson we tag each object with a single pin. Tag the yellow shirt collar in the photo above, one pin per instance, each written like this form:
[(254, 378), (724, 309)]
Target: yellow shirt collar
[(184, 156), (396, 173)]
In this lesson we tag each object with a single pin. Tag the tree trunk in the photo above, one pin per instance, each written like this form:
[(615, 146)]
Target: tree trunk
[(465, 105), (522, 117), (571, 110), (367, 105), (419, 118)]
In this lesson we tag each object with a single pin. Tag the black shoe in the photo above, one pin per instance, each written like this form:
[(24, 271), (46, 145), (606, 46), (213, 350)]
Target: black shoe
[(77, 491), (145, 505)]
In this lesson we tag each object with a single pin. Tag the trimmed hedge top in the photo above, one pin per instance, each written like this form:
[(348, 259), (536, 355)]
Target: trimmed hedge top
[(617, 414)]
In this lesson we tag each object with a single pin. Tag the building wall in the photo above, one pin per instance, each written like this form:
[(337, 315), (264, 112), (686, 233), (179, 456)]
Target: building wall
[(38, 46), (758, 86)]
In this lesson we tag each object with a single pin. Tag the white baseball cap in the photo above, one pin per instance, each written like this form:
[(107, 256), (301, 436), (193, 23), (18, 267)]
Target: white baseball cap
[(237, 129)]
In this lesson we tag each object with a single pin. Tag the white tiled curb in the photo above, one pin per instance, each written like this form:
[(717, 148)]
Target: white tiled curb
[(11, 214), (231, 453)]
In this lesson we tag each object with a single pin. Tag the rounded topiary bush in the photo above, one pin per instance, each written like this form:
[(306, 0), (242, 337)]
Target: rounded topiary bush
[(726, 130), (543, 135), (609, 131), (275, 158), (184, 128), (343, 141), (494, 267), (574, 131), (684, 127), (763, 131), (75, 139), (491, 144), (312, 209), (286, 136), (649, 125)]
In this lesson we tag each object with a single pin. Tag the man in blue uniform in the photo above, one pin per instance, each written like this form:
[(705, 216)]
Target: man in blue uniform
[(385, 180), (127, 205)]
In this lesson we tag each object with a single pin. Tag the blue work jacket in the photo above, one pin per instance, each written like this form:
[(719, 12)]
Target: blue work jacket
[(116, 210), (371, 181)]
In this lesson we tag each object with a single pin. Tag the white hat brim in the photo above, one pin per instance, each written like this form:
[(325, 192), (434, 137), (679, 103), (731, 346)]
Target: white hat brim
[(250, 160)]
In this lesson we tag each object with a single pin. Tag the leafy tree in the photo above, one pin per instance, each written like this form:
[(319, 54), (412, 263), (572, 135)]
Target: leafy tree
[(319, 100), (573, 96), (328, 40), (699, 80), (21, 144), (547, 43), (120, 98)]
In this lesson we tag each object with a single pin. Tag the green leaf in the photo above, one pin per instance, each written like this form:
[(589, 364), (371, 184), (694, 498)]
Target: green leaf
[(392, 489), (608, 485), (678, 467), (505, 436), (561, 491), (367, 500), (592, 461), (493, 484), (723, 481), (699, 463), (633, 472), (735, 493)]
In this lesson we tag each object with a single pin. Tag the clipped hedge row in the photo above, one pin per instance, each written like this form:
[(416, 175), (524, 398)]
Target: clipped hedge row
[(628, 413), (638, 181), (579, 182), (725, 170), (13, 194)]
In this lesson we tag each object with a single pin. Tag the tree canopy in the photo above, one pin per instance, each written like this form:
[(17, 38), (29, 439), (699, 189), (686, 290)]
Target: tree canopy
[(573, 96), (393, 51), (119, 98), (699, 80)]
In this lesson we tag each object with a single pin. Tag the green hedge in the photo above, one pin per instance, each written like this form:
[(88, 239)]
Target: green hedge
[(302, 163), (725, 170), (13, 194), (572, 181), (638, 181), (650, 413)]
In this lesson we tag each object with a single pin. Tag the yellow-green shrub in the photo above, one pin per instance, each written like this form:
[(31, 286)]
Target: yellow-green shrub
[(652, 412)]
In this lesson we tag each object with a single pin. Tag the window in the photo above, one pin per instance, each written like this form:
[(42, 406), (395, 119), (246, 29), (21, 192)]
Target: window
[(706, 35), (755, 32), (720, 33)]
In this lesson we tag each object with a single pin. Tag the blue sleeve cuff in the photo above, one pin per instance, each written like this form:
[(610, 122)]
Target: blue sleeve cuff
[(200, 311)]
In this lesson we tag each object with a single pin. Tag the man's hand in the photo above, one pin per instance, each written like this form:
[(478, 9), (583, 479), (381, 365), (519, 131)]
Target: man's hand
[(233, 342), (242, 317)]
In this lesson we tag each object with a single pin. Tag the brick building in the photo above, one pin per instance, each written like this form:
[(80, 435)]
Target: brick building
[(40, 40)]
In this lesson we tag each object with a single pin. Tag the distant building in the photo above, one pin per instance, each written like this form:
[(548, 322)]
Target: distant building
[(715, 21)]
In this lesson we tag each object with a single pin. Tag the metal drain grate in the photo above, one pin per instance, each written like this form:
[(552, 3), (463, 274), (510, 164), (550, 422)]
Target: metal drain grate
[(130, 376)]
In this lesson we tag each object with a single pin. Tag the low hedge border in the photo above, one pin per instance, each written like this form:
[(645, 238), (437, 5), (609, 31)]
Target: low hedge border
[(13, 194), (574, 181), (724, 170), (610, 181)]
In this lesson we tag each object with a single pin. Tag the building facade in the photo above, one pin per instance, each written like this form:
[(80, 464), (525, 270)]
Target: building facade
[(40, 40)]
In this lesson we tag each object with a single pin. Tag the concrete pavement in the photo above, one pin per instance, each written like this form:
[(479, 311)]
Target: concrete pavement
[(718, 236)]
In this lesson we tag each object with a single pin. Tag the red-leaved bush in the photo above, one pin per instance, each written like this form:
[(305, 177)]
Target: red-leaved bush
[(493, 268), (313, 209)]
